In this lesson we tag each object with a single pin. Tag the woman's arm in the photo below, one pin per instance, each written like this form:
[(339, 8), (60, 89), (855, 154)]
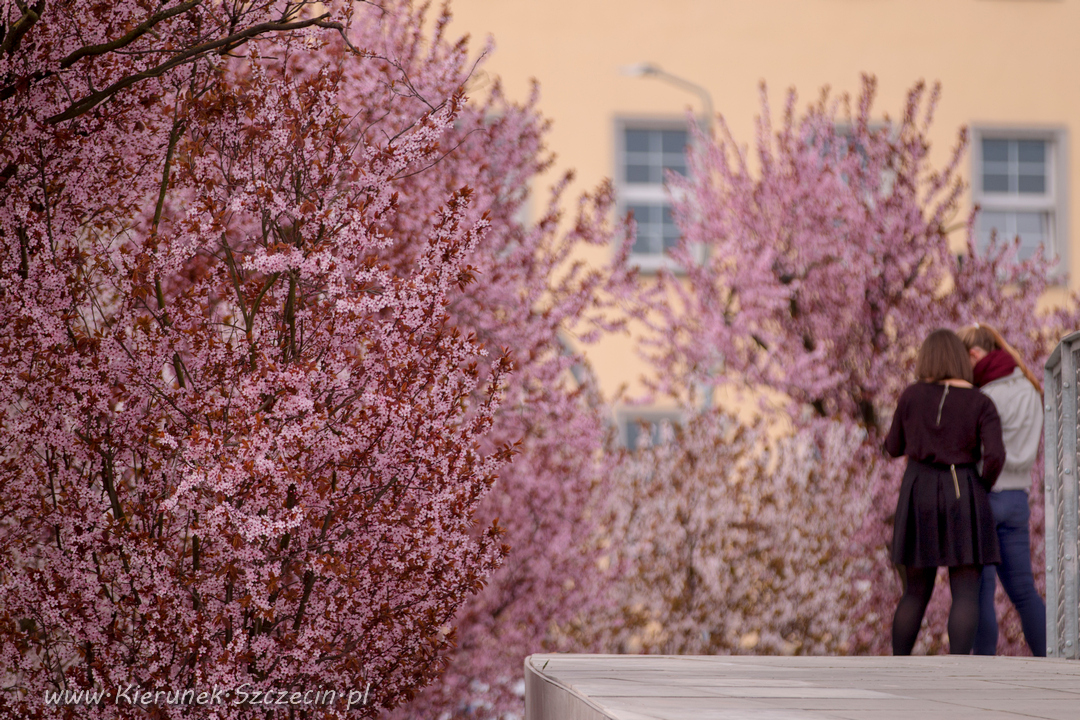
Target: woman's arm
[(993, 447)]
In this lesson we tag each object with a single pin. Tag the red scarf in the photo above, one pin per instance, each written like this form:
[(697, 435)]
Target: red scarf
[(996, 365)]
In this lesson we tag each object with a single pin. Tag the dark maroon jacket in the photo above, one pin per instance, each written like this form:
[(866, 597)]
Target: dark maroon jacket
[(947, 425)]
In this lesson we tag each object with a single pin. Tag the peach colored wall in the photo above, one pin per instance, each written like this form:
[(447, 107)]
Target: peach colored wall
[(1001, 62)]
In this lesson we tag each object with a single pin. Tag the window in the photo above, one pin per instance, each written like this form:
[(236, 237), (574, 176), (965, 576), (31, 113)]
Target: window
[(635, 427), (1018, 183), (645, 154)]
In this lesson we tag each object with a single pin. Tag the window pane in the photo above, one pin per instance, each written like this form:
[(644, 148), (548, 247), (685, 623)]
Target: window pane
[(1031, 151), (1031, 223), (648, 239), (648, 431), (675, 163), (996, 223), (995, 183), (1031, 227), (995, 150), (1032, 184), (637, 140), (1027, 251), (674, 141), (643, 214), (643, 242), (670, 229), (638, 174), (642, 432)]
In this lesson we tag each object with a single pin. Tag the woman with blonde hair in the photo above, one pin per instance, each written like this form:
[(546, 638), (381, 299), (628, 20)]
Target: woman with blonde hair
[(1001, 374), (945, 428)]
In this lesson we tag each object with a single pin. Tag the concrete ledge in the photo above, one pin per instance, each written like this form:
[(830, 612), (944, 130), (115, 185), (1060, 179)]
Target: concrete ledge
[(657, 687), (546, 697)]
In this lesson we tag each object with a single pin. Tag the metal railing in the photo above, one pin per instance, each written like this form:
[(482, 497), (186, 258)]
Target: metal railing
[(1062, 500)]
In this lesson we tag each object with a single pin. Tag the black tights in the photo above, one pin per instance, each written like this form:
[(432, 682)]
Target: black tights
[(963, 615)]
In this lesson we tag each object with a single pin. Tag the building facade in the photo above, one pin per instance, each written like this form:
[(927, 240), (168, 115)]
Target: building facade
[(1008, 68)]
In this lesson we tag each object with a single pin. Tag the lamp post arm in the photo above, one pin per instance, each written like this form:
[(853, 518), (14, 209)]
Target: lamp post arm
[(706, 98)]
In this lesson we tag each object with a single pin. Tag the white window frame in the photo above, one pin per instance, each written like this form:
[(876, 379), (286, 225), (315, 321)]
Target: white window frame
[(1053, 202), (629, 193)]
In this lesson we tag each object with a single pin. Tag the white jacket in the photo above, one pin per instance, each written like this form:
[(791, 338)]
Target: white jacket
[(1020, 407)]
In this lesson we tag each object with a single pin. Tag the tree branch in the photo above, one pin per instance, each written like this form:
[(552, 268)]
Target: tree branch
[(132, 36), (20, 27), (227, 43)]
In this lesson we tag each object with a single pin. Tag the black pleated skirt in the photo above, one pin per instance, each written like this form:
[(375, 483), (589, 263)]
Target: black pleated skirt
[(940, 522)]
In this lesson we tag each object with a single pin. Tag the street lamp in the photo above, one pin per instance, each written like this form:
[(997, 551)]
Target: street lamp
[(648, 69)]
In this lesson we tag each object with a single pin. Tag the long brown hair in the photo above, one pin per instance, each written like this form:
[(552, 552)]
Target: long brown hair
[(989, 339), (942, 356)]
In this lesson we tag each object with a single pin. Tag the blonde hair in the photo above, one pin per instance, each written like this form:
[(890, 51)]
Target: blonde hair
[(989, 339)]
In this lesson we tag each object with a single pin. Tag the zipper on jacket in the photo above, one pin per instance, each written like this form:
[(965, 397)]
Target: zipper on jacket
[(942, 404)]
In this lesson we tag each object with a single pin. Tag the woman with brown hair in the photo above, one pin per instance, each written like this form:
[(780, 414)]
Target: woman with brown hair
[(944, 426), (1002, 375)]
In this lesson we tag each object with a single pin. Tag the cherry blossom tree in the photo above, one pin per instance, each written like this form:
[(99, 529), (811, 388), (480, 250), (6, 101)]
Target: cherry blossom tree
[(727, 532), (259, 264), (814, 270)]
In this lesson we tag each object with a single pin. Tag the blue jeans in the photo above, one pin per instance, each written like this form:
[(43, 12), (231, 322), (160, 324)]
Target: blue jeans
[(1011, 513)]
